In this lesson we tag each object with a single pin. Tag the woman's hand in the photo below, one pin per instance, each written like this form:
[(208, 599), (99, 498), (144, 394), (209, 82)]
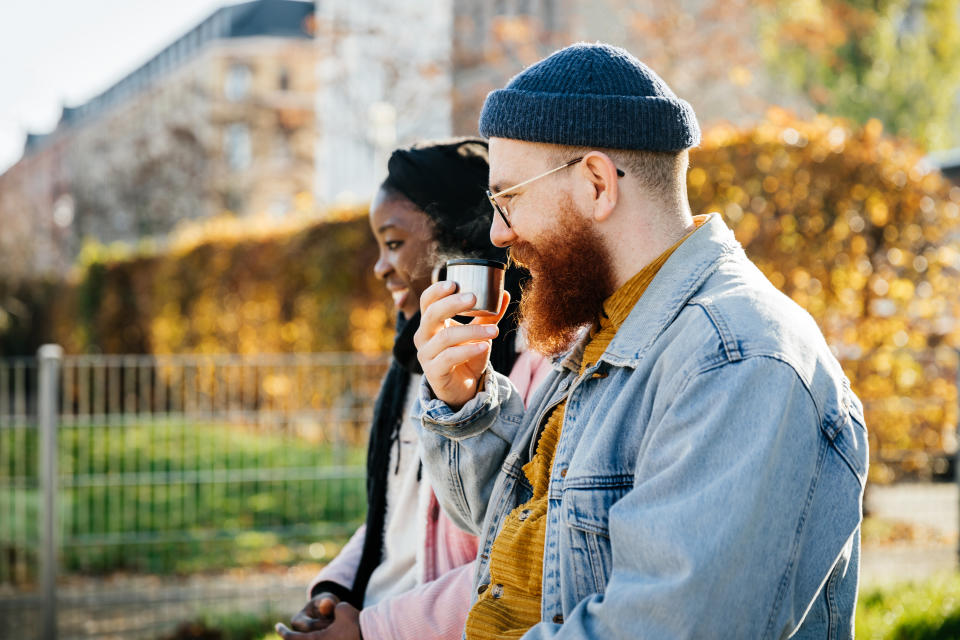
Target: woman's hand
[(344, 625)]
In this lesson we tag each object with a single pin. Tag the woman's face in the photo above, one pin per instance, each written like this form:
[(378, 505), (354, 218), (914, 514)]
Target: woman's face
[(405, 237)]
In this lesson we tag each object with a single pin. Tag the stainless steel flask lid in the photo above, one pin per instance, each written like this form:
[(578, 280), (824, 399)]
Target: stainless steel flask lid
[(478, 261)]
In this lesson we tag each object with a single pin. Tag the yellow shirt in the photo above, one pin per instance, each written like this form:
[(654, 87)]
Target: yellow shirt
[(510, 605)]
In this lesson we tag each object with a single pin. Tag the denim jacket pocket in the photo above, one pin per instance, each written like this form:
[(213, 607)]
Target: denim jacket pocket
[(507, 494), (586, 512)]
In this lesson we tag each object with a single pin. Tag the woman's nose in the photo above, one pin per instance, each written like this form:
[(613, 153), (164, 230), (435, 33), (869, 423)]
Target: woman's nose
[(382, 268)]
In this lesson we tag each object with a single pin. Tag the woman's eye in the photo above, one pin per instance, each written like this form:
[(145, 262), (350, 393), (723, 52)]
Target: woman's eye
[(393, 245)]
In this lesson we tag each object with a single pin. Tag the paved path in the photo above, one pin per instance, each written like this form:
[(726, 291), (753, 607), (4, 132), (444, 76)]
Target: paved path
[(143, 606), (892, 565), (931, 505), (932, 512), (146, 606)]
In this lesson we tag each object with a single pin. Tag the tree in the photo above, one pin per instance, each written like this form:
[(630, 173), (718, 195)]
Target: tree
[(894, 60)]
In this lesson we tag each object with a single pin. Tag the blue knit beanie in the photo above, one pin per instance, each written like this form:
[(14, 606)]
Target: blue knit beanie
[(591, 95)]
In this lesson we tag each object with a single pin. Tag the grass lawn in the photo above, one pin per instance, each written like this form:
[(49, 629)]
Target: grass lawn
[(179, 497), (928, 610)]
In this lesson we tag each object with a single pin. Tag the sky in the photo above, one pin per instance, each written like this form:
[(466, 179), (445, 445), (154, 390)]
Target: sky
[(56, 52)]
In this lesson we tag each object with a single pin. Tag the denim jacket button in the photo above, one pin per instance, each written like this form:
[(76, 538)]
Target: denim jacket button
[(563, 473), (558, 618)]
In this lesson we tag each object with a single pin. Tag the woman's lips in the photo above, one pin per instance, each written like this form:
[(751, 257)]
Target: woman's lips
[(399, 297)]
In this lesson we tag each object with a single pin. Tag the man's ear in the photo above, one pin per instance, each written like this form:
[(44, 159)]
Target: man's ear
[(601, 172)]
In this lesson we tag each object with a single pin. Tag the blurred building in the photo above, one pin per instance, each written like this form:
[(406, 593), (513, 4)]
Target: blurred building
[(222, 119), (396, 72), (384, 78), (269, 100)]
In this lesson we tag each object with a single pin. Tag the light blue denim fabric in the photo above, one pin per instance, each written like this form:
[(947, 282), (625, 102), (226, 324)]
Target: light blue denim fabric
[(709, 475)]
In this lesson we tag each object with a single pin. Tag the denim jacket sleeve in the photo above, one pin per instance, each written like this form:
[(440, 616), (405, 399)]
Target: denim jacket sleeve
[(463, 450), (739, 512)]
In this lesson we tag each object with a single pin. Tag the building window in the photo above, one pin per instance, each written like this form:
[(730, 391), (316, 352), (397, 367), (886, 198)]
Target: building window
[(238, 147), (237, 86), (284, 81)]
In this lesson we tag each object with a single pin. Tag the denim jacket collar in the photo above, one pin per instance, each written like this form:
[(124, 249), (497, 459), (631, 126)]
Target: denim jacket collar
[(673, 286)]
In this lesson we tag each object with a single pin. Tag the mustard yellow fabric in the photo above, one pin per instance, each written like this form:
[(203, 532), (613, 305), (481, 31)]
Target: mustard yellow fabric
[(510, 605)]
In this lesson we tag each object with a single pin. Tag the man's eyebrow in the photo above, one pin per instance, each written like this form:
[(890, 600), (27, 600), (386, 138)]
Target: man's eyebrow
[(497, 187)]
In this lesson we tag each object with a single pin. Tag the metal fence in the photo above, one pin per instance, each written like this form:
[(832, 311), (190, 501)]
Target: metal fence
[(139, 491)]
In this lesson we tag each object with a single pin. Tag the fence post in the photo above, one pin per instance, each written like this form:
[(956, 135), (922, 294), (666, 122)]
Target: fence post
[(49, 358)]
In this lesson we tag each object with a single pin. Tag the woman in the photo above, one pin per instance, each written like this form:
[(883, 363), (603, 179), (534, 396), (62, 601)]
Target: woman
[(409, 569)]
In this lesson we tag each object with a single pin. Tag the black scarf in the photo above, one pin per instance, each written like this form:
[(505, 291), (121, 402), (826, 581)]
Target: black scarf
[(388, 414)]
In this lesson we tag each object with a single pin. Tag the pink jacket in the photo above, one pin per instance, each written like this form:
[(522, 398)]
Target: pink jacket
[(437, 609)]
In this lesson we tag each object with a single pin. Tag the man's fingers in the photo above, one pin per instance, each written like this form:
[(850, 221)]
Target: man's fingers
[(504, 303), (454, 336), (445, 308), (494, 319), (438, 315), (448, 359), (436, 291), (435, 317)]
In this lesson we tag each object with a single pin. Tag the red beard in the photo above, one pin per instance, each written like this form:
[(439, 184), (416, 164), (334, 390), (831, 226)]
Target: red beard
[(572, 276)]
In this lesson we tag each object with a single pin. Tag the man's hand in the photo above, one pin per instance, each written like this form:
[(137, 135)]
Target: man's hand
[(317, 614), (345, 626), (453, 355)]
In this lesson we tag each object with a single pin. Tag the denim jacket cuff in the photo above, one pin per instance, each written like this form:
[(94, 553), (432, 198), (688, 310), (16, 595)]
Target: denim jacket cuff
[(471, 419)]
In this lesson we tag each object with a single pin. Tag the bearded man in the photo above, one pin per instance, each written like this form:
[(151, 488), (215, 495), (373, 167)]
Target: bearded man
[(694, 467)]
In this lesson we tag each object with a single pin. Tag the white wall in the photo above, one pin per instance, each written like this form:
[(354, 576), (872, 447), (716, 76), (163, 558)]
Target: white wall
[(377, 58)]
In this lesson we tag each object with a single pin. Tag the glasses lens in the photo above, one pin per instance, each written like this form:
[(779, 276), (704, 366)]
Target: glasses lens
[(498, 209)]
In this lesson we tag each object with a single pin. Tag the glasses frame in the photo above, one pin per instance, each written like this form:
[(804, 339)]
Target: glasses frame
[(503, 214)]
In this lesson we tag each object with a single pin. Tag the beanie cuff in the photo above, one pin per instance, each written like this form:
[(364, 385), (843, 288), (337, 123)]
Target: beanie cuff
[(650, 123)]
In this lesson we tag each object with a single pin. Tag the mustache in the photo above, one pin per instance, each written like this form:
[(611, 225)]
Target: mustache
[(522, 254)]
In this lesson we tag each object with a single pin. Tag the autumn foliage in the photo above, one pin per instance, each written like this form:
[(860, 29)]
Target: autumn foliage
[(845, 220), (308, 290), (851, 225)]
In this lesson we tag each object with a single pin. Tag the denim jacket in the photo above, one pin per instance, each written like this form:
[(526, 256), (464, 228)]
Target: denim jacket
[(709, 475)]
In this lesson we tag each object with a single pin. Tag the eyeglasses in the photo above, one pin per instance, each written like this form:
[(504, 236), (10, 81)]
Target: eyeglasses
[(502, 210)]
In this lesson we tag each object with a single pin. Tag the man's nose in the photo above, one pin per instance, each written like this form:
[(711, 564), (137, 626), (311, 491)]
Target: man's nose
[(500, 234)]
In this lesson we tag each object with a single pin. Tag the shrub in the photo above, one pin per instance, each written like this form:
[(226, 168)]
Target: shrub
[(849, 224), (308, 290)]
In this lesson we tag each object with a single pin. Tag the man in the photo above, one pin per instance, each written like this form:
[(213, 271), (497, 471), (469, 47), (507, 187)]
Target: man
[(694, 467)]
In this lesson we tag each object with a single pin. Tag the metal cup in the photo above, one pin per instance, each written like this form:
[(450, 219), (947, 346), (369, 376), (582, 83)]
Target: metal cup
[(482, 278)]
